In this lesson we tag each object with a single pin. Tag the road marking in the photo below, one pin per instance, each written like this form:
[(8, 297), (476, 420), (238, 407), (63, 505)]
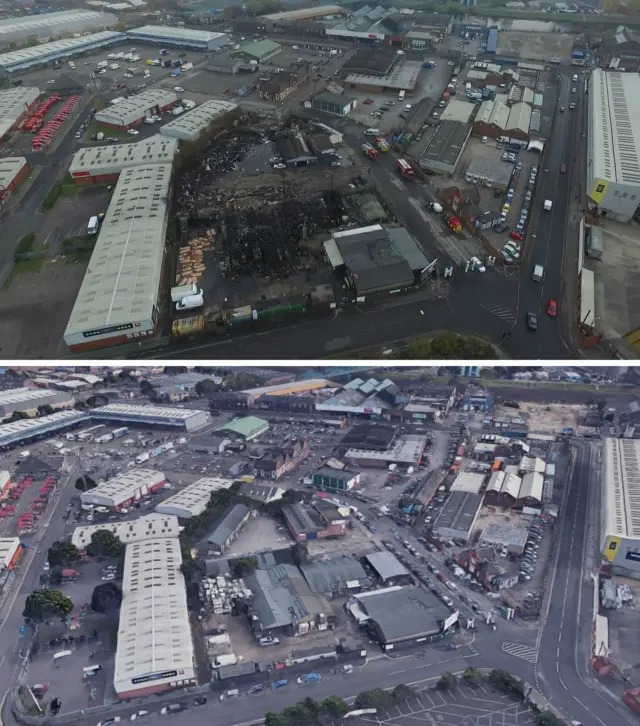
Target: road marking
[(524, 652), (562, 683), (501, 311)]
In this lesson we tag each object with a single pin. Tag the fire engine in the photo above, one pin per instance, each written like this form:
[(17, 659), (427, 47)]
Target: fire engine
[(405, 169), (369, 151), (382, 144)]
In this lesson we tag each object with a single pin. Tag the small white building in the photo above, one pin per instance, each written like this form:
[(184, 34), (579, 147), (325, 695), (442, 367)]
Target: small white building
[(189, 126), (135, 109), (124, 489), (193, 499)]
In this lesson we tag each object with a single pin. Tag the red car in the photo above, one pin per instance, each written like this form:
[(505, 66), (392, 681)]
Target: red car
[(517, 236), (552, 308), (563, 169), (367, 101)]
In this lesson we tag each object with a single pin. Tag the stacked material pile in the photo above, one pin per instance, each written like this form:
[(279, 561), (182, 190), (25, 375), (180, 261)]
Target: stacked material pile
[(191, 260)]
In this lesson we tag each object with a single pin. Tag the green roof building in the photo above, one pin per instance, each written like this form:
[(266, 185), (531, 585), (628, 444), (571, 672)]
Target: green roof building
[(247, 428), (260, 51), (335, 480), (333, 103)]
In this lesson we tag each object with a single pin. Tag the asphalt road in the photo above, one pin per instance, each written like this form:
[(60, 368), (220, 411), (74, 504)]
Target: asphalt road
[(561, 669)]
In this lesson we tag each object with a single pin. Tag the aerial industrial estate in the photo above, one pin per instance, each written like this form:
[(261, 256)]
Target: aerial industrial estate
[(176, 541), (435, 171)]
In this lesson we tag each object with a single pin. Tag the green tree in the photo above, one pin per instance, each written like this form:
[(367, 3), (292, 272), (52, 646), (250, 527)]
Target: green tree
[(46, 603), (62, 554), (18, 416), (105, 544), (206, 387), (506, 682), (334, 706), (447, 346), (377, 698), (273, 719), (546, 718), (447, 682), (106, 598), (45, 410), (472, 677), (244, 566), (403, 692)]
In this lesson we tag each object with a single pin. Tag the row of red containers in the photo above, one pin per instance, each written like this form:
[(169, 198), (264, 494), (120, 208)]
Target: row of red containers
[(46, 134)]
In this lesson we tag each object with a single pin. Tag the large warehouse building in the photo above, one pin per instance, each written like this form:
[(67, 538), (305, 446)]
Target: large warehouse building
[(38, 56), (613, 162), (13, 169), (32, 429), (99, 164), (118, 298), (620, 535), (126, 413), (149, 526), (28, 399), (124, 489), (191, 125), (192, 500), (46, 25), (15, 104), (401, 616), (135, 109), (155, 648), (179, 37)]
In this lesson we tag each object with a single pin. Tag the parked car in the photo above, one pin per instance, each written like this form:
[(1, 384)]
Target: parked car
[(279, 684), (255, 689), (532, 321), (309, 678)]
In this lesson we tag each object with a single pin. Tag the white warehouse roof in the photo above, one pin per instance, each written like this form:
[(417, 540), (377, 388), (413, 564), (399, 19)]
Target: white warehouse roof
[(468, 481), (190, 417), (192, 500), (621, 488), (132, 484), (154, 634), (10, 167), (112, 159), (16, 431), (120, 287), (32, 397), (48, 24), (13, 103), (47, 52), (614, 115), (136, 108), (149, 526), (189, 126), (177, 35)]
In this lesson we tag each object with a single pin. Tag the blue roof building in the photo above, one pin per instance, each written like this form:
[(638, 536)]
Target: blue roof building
[(492, 41)]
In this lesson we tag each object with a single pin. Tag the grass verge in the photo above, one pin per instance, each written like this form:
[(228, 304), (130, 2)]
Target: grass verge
[(23, 267)]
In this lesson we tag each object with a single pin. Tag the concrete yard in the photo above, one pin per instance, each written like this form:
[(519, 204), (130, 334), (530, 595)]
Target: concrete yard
[(535, 46), (257, 535), (546, 417)]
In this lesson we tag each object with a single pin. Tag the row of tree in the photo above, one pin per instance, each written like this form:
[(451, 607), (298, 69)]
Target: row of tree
[(447, 346)]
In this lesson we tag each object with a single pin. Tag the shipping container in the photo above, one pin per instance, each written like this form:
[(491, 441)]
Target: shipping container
[(188, 326)]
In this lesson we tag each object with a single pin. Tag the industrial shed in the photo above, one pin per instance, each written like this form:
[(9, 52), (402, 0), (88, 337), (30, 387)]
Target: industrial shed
[(15, 104), (13, 169), (191, 125), (247, 428), (259, 52), (387, 567), (179, 37), (445, 147), (489, 172), (333, 103), (458, 516), (227, 529), (337, 577), (46, 25), (193, 499), (491, 120), (124, 489), (135, 109), (401, 615)]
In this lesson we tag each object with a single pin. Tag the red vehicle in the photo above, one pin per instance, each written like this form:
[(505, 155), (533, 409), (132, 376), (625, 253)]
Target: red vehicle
[(517, 236), (404, 167), (552, 308), (367, 101)]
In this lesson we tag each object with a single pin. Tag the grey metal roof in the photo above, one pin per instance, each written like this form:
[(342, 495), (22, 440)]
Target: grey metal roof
[(301, 519), (228, 525), (459, 511), (404, 612), (341, 474), (58, 48), (281, 597), (333, 575), (122, 281), (386, 565), (189, 126)]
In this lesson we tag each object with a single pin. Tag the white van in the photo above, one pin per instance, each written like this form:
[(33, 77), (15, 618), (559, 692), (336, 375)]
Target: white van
[(575, 78), (182, 291), (90, 671), (372, 132), (538, 273), (401, 96), (191, 302), (60, 655)]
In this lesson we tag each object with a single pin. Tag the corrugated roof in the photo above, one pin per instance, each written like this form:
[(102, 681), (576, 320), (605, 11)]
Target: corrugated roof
[(228, 525), (386, 565)]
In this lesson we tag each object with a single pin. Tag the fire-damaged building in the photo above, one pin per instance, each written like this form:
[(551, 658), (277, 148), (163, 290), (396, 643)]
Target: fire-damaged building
[(318, 520), (482, 563), (276, 85), (278, 461)]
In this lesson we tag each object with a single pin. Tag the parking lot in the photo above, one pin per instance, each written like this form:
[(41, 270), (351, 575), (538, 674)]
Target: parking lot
[(479, 706)]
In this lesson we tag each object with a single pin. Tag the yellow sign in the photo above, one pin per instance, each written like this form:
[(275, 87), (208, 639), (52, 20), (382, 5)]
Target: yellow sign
[(599, 190), (611, 548)]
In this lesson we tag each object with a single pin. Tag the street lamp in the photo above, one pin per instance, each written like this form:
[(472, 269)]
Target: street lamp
[(420, 325)]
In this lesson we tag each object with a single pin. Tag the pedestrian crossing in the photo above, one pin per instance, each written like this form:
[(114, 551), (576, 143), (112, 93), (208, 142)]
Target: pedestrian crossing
[(504, 312), (525, 652)]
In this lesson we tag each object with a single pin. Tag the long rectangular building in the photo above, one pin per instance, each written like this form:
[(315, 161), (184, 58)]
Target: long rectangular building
[(155, 648), (98, 164), (135, 109), (15, 104), (124, 489), (31, 429), (149, 526), (13, 169), (179, 418), (118, 299), (620, 516), (38, 56), (179, 37), (191, 125), (613, 144), (192, 500), (46, 25)]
